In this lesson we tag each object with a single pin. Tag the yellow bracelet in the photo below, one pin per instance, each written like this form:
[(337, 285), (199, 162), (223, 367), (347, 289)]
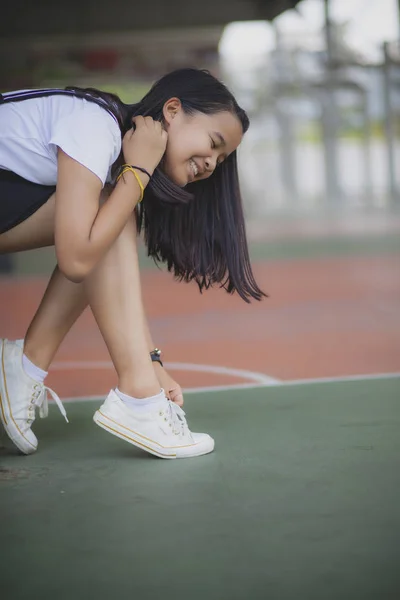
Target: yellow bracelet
[(129, 168)]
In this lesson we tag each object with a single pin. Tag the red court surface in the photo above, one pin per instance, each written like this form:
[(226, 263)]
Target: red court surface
[(333, 317)]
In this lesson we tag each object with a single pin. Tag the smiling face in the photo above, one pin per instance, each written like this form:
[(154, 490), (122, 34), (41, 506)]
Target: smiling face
[(197, 143)]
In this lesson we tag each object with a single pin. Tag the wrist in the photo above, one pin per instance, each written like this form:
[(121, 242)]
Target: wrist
[(124, 170), (144, 173), (127, 168), (139, 164)]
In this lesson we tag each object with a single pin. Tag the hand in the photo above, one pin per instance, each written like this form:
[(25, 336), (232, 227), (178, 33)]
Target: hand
[(145, 145), (172, 389)]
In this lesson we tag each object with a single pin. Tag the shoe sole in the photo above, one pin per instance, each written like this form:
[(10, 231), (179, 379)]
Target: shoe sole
[(10, 426), (135, 438)]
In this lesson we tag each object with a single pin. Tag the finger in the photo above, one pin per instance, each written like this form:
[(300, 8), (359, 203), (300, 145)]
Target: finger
[(177, 396), (138, 120), (178, 400)]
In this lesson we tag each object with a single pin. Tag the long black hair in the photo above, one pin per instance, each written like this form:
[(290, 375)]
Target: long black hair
[(199, 230)]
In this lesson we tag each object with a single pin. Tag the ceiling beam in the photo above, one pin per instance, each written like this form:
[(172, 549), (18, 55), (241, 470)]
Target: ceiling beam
[(71, 17)]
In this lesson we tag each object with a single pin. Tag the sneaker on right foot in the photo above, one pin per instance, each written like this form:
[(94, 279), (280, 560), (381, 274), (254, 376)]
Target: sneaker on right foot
[(20, 396), (161, 430)]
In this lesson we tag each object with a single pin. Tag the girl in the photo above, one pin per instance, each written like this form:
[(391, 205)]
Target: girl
[(83, 171)]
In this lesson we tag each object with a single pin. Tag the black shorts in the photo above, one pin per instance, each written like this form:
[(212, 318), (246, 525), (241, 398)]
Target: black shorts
[(20, 198)]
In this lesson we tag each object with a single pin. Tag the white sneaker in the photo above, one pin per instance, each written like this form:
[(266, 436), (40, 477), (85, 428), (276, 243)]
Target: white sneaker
[(161, 430), (19, 397)]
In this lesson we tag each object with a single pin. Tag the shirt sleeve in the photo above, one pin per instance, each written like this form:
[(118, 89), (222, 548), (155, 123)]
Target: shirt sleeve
[(91, 137)]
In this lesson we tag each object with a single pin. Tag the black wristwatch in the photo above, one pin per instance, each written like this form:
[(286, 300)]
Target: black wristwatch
[(155, 356)]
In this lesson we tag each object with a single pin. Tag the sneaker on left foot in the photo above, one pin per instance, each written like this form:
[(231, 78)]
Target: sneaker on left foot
[(20, 395)]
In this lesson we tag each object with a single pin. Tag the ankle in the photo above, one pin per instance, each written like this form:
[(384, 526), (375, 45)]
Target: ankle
[(139, 391), (36, 356), (32, 370)]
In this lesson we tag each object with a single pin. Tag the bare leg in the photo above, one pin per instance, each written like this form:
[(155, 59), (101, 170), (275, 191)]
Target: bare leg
[(61, 305), (114, 294), (63, 301)]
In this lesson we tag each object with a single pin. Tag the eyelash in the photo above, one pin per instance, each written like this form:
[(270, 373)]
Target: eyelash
[(213, 146)]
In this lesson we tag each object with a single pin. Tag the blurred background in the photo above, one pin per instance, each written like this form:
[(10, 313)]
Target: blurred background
[(301, 499), (320, 80)]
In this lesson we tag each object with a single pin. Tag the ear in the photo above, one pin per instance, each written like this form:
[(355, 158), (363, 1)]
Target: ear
[(170, 109)]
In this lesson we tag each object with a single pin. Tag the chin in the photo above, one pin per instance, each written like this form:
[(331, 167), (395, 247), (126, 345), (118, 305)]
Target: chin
[(174, 177), (179, 181)]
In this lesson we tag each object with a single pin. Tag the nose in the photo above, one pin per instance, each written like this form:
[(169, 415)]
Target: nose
[(210, 164)]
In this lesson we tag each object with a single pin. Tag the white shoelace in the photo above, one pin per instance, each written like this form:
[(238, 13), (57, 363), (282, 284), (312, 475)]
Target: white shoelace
[(41, 400), (176, 416)]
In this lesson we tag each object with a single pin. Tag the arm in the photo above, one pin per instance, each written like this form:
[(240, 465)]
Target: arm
[(84, 231)]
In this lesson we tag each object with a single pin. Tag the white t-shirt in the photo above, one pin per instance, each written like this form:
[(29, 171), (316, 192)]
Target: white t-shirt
[(31, 130)]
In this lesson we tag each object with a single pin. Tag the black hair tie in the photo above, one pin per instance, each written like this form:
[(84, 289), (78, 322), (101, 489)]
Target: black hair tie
[(141, 169)]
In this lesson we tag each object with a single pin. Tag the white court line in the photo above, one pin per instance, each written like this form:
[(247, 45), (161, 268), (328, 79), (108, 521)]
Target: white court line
[(343, 379), (249, 386), (176, 366)]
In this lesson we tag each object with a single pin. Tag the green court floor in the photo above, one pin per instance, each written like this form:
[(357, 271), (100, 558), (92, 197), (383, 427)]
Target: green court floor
[(300, 500)]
